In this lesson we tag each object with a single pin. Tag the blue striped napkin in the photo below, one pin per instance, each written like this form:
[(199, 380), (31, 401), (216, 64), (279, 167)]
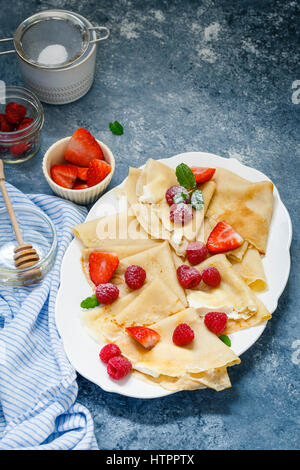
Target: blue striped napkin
[(38, 386)]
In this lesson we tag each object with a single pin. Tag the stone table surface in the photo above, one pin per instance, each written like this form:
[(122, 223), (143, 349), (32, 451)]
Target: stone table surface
[(183, 75)]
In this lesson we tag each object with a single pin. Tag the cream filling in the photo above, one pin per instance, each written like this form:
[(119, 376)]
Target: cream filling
[(231, 312)]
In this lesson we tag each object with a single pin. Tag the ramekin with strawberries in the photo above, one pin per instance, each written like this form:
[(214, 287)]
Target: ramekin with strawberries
[(79, 168)]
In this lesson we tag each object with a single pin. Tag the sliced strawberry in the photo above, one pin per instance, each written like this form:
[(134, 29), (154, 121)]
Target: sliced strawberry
[(5, 125), (83, 148), (145, 336), (64, 175), (223, 238), (82, 173), (15, 112), (202, 174), (80, 186), (98, 170), (102, 266)]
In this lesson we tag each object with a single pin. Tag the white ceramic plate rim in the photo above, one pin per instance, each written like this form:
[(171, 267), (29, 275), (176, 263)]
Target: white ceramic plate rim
[(82, 350)]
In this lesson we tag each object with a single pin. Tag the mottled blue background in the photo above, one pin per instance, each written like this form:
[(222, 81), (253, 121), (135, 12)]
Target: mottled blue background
[(216, 76)]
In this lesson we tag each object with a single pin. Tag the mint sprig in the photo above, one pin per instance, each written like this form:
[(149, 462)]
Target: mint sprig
[(116, 128), (185, 176), (197, 200), (225, 340), (179, 198), (90, 302)]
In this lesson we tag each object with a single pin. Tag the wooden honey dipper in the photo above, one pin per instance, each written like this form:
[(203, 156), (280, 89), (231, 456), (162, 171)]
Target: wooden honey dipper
[(25, 255)]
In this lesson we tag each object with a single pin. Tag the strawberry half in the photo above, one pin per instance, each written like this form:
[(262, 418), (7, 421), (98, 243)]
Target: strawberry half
[(202, 174), (82, 173), (83, 148), (102, 266), (145, 336), (223, 238), (98, 170), (15, 112), (64, 175)]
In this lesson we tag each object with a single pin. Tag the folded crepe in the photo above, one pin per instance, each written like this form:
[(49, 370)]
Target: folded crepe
[(251, 269), (154, 302), (158, 264), (206, 351), (153, 182), (216, 379), (153, 213), (233, 296), (116, 229), (246, 206)]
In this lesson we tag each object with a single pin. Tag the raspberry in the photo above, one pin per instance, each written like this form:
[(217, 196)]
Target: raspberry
[(107, 293), (108, 351), (15, 112), (188, 277), (216, 322), (196, 252), (183, 335), (5, 125), (173, 190), (135, 276), (181, 213), (211, 276), (118, 367)]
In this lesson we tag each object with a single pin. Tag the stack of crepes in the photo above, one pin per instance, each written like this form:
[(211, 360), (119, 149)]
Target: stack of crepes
[(144, 235)]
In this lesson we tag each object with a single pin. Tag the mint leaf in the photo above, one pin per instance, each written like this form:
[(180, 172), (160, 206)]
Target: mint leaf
[(116, 128), (225, 340), (179, 198), (197, 200), (185, 176), (90, 302)]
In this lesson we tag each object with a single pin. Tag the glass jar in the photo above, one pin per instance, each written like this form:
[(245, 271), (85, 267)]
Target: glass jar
[(20, 145), (37, 229)]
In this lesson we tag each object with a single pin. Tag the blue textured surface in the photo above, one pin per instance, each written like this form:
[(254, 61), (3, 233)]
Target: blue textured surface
[(190, 75)]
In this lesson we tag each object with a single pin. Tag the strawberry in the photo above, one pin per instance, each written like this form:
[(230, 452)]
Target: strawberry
[(5, 125), (223, 238), (82, 173), (15, 112), (64, 175), (145, 336), (98, 170), (80, 186), (202, 174), (83, 148), (102, 266)]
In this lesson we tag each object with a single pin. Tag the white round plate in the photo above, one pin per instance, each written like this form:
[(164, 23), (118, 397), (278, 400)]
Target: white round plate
[(83, 351)]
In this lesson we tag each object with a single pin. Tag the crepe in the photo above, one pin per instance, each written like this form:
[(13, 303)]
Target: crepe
[(217, 379), (153, 182), (246, 206), (206, 351), (232, 297), (251, 269), (117, 229), (158, 263), (157, 301)]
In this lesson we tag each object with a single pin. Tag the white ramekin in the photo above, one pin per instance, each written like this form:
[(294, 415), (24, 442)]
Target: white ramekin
[(55, 155)]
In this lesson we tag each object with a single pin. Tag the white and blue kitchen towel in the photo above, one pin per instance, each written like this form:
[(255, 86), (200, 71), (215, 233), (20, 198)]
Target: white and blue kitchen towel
[(38, 388)]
